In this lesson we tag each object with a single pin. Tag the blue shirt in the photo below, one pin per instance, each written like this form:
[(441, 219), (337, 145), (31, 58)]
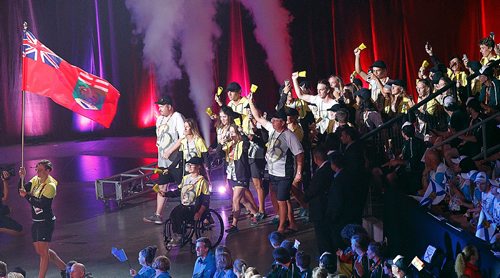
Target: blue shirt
[(228, 273), (164, 275), (204, 268), (146, 272)]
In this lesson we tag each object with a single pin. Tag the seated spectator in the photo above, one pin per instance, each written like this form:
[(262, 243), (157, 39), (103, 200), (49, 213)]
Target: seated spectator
[(433, 179), (20, 270), (68, 268), (328, 261), (283, 266), (239, 268), (303, 261), (400, 267), (195, 199), (14, 275), (319, 272), (275, 239), (252, 272), (472, 140), (224, 266), (466, 262), (204, 267), (486, 226), (162, 265), (146, 257), (374, 253), (407, 166), (290, 247), (346, 256), (359, 244), (77, 270)]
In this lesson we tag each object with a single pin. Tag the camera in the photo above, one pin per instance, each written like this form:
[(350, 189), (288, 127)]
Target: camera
[(9, 170)]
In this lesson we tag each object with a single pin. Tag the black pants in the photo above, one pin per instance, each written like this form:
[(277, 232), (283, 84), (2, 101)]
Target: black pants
[(323, 237), (179, 214)]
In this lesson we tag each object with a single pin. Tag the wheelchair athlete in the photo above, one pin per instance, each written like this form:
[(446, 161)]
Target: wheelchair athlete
[(195, 199)]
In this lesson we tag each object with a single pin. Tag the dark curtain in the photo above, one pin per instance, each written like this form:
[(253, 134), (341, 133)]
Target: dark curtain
[(98, 37)]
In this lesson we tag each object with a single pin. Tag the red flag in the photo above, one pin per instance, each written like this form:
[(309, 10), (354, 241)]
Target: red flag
[(46, 74)]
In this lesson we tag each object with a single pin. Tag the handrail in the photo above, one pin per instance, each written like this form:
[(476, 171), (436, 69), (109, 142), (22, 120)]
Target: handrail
[(481, 123), (421, 103)]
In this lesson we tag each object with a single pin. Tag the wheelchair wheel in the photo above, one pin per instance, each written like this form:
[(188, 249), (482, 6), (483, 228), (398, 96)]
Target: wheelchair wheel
[(167, 234), (211, 227)]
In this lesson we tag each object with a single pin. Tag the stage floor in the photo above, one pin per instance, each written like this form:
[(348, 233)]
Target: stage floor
[(86, 230)]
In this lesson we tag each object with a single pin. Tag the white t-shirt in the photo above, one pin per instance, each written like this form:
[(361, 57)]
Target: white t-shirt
[(168, 131), (277, 151), (322, 111)]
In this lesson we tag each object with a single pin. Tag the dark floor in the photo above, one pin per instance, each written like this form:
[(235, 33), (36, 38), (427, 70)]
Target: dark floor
[(86, 230)]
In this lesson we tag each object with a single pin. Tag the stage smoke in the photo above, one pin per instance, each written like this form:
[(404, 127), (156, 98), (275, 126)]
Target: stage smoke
[(198, 34), (191, 26), (271, 31)]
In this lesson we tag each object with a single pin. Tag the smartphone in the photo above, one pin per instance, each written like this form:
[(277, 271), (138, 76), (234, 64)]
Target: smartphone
[(465, 57), (287, 82)]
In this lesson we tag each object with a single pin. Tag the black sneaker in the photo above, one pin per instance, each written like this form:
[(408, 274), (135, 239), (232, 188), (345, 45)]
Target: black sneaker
[(153, 219)]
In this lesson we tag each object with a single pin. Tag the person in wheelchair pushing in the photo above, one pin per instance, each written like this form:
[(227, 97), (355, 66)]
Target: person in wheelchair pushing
[(195, 199)]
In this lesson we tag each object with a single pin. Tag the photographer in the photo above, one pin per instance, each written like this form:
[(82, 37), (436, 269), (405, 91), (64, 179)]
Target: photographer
[(7, 224)]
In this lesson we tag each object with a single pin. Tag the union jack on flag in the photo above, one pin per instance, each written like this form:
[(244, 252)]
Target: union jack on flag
[(34, 49)]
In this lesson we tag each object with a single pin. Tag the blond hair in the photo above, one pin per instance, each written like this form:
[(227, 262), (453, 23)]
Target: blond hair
[(464, 257)]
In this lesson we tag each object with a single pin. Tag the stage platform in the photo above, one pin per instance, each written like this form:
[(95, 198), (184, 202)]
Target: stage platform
[(86, 230)]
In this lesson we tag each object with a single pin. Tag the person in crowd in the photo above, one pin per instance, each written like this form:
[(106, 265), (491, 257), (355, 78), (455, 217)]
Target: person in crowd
[(283, 148), (374, 253), (252, 272), (238, 175), (486, 223), (161, 264), (489, 97), (20, 270), (283, 266), (303, 262), (487, 47), (466, 262), (328, 261), (407, 166), (169, 129), (346, 255), (7, 224), (341, 199), (361, 266), (204, 266), (78, 270), (336, 85), (14, 275), (376, 76), (401, 102), (472, 140), (195, 199), (354, 162), (322, 100), (237, 102), (434, 179), (316, 197), (191, 145), (368, 118), (145, 258), (400, 267), (275, 239), (256, 159), (40, 191), (429, 115), (3, 269), (239, 268), (319, 272), (224, 266)]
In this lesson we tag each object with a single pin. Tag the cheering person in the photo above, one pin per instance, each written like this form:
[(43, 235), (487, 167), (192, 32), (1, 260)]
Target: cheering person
[(40, 192)]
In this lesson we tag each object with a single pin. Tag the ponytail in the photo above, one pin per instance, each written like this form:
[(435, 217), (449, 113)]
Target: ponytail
[(460, 264)]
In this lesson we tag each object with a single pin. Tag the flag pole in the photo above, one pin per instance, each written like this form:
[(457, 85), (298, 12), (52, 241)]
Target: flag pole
[(25, 28)]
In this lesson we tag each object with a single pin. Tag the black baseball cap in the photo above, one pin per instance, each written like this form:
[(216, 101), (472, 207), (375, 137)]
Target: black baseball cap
[(280, 114), (363, 93), (165, 100), (397, 82), (379, 64), (195, 160)]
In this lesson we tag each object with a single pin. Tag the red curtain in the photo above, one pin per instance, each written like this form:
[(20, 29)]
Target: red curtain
[(396, 31)]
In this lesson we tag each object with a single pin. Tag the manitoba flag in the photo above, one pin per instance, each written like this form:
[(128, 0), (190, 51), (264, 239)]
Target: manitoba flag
[(46, 74)]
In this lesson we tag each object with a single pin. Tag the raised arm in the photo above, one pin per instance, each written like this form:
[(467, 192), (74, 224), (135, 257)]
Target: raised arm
[(357, 65), (298, 90), (254, 111)]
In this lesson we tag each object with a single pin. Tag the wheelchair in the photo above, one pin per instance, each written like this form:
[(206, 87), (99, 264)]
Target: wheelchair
[(210, 226)]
